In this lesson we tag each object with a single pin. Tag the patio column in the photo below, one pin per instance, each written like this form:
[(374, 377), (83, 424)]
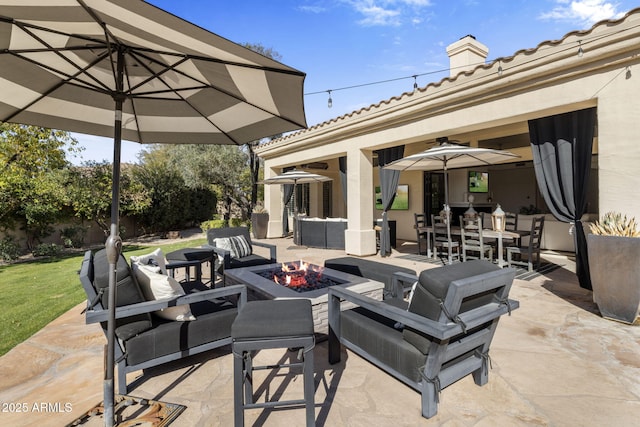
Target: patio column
[(273, 204), (360, 237)]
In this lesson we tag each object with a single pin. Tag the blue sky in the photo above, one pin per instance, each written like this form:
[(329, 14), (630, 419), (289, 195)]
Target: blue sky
[(345, 43)]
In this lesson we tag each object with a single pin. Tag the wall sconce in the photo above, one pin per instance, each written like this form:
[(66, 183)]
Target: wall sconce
[(498, 219)]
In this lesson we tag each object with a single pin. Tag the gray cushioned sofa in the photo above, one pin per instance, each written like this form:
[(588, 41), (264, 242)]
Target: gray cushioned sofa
[(144, 340), (442, 336)]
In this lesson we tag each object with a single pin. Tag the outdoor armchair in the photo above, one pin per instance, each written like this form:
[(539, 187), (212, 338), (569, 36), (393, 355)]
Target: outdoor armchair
[(234, 248), (441, 337), (143, 338)]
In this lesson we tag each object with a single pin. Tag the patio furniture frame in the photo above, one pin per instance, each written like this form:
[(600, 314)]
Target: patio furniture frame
[(97, 313), (453, 345)]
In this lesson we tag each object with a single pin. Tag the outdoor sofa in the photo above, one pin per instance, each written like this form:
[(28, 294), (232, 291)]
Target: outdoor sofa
[(143, 339), (440, 337)]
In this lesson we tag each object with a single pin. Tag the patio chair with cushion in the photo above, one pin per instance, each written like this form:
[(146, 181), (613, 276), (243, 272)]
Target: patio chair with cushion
[(156, 321), (443, 336), (234, 248)]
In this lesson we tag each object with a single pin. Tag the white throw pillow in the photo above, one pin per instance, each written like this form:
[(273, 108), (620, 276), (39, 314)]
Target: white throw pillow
[(237, 245), (155, 258), (156, 286)]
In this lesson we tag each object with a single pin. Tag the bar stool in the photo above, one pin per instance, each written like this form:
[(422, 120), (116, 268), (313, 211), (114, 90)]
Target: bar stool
[(265, 325)]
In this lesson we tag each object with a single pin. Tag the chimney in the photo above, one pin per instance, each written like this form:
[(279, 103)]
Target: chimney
[(466, 54)]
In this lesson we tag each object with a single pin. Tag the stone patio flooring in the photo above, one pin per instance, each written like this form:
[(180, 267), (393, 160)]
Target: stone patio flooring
[(555, 361)]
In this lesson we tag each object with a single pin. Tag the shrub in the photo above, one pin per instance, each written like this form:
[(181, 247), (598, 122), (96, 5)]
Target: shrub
[(213, 223), (9, 249), (73, 236), (236, 222), (46, 249)]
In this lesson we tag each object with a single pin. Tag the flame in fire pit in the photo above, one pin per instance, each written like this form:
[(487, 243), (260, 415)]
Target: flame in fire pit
[(300, 276)]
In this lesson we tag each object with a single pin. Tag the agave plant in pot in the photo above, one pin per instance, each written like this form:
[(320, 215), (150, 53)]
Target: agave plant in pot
[(614, 263), (259, 221)]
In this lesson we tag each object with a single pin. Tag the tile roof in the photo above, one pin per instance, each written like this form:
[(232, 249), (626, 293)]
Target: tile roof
[(521, 52)]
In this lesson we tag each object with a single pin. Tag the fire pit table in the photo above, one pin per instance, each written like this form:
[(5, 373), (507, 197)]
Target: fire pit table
[(301, 280)]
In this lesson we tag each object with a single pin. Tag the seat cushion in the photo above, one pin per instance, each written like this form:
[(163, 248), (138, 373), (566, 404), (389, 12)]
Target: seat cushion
[(249, 261), (273, 319), (213, 322), (372, 270), (377, 336)]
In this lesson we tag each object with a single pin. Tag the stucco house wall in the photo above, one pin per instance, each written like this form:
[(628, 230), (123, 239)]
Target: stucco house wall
[(482, 104)]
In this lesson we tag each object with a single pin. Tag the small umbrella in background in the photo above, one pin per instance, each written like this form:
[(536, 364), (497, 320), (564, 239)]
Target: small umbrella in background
[(127, 69), (295, 177)]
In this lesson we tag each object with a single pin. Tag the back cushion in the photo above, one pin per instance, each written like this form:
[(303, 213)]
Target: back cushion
[(432, 288), (128, 292)]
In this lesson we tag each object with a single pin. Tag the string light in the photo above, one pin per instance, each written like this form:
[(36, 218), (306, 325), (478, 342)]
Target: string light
[(415, 81), (580, 51), (415, 76)]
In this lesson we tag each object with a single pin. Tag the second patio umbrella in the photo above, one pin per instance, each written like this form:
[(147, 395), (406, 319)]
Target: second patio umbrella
[(295, 177), (447, 156)]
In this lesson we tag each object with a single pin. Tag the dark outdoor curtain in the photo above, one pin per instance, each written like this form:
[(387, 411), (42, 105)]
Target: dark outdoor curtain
[(561, 146), (287, 193), (388, 187), (342, 162)]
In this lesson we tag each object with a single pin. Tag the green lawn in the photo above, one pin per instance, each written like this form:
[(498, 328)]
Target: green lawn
[(32, 294)]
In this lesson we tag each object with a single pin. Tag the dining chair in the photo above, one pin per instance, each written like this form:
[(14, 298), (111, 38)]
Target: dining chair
[(526, 253), (442, 242), (472, 240), (511, 224), (421, 222)]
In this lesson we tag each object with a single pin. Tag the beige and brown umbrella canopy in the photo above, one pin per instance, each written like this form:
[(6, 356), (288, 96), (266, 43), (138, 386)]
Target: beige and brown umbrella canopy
[(447, 155), (128, 70)]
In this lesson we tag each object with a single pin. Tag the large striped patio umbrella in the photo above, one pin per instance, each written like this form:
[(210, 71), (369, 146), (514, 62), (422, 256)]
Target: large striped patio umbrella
[(126, 69)]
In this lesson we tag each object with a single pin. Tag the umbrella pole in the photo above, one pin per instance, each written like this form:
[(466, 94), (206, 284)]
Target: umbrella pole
[(113, 248)]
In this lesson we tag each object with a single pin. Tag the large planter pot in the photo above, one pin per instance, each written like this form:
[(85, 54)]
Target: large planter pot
[(615, 275), (259, 225)]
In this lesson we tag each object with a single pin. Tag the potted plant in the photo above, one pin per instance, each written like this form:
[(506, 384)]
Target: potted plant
[(614, 250), (259, 221)]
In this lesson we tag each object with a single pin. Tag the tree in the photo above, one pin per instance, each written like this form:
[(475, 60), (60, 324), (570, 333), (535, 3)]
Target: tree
[(173, 202), (31, 180), (221, 166), (89, 188)]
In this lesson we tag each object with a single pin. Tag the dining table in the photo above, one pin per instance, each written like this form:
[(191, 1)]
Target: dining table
[(486, 233)]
